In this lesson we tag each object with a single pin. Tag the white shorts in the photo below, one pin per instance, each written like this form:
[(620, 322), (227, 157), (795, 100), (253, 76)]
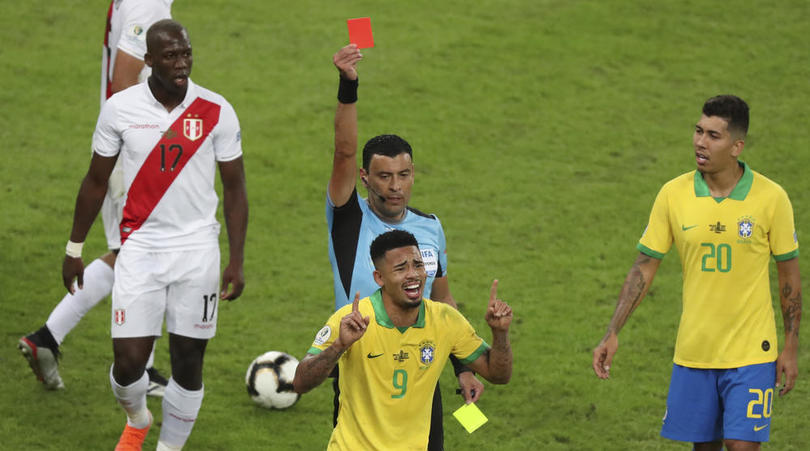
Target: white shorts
[(113, 207), (183, 286)]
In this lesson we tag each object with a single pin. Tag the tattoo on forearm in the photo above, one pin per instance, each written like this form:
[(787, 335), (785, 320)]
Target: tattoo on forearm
[(323, 364), (791, 308), (631, 295), (317, 369)]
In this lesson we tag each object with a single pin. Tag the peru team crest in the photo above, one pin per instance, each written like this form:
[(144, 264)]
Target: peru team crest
[(192, 128), (427, 352), (745, 227), (120, 316)]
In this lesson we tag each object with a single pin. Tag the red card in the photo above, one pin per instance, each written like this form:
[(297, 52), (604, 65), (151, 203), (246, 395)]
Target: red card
[(360, 32)]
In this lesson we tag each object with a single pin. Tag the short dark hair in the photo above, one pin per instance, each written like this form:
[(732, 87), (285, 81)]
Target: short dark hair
[(160, 27), (731, 108), (385, 145), (392, 239)]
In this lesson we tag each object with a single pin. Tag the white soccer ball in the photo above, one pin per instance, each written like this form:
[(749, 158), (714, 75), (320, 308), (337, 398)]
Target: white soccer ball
[(269, 380)]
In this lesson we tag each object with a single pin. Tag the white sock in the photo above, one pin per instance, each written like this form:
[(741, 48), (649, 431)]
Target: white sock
[(180, 408), (98, 283), (133, 399)]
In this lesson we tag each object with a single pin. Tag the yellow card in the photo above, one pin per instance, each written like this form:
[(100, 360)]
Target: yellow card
[(470, 416)]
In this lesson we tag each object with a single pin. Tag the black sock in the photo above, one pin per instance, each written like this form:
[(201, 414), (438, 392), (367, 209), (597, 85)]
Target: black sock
[(44, 334)]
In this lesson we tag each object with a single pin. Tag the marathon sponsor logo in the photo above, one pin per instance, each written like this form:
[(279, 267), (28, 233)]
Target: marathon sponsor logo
[(141, 126)]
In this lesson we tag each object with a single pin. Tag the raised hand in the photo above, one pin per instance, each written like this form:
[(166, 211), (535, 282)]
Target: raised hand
[(346, 61), (499, 314), (353, 325)]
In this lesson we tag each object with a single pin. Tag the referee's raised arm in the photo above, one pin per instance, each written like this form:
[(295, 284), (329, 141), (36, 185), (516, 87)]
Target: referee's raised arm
[(344, 164)]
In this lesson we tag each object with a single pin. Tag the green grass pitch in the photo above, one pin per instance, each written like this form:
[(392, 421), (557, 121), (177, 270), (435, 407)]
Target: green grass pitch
[(542, 130)]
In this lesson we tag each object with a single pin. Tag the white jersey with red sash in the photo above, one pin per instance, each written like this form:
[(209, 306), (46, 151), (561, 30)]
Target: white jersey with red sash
[(169, 163)]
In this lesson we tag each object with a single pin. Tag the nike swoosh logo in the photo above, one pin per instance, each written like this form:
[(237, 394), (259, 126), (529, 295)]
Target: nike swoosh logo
[(759, 428), (684, 228), (373, 356)]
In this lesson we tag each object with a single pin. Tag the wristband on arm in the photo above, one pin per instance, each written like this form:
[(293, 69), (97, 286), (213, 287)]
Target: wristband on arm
[(74, 250), (347, 91)]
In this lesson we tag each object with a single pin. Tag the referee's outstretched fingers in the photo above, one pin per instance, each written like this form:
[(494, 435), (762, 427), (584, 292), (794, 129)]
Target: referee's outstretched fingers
[(346, 61)]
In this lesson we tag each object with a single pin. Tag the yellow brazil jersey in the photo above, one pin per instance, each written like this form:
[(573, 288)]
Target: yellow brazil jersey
[(725, 247), (388, 376)]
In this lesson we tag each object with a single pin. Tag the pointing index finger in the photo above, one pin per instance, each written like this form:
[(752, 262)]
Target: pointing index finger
[(493, 292), (356, 302)]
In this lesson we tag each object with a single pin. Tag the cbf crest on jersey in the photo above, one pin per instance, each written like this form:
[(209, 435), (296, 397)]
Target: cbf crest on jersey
[(427, 353), (192, 128), (745, 227)]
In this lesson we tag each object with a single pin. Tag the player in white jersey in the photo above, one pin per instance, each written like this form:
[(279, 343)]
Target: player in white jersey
[(121, 67), (170, 135)]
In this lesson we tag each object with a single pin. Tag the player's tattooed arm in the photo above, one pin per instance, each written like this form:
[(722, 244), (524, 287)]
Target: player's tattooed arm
[(636, 285), (790, 294), (790, 297), (791, 308), (315, 368)]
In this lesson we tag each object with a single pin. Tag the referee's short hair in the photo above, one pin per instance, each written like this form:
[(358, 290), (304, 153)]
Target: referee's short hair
[(731, 108), (393, 239), (385, 145)]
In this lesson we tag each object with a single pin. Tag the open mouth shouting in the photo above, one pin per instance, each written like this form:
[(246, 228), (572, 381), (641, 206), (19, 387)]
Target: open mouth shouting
[(413, 290)]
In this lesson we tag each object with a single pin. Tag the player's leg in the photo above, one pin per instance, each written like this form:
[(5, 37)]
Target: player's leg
[(41, 348), (191, 318), (694, 412), (436, 437), (184, 393), (138, 306), (111, 214), (747, 394), (128, 376), (129, 382)]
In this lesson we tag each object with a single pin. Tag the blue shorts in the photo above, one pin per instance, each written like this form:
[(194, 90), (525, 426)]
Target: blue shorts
[(707, 405)]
